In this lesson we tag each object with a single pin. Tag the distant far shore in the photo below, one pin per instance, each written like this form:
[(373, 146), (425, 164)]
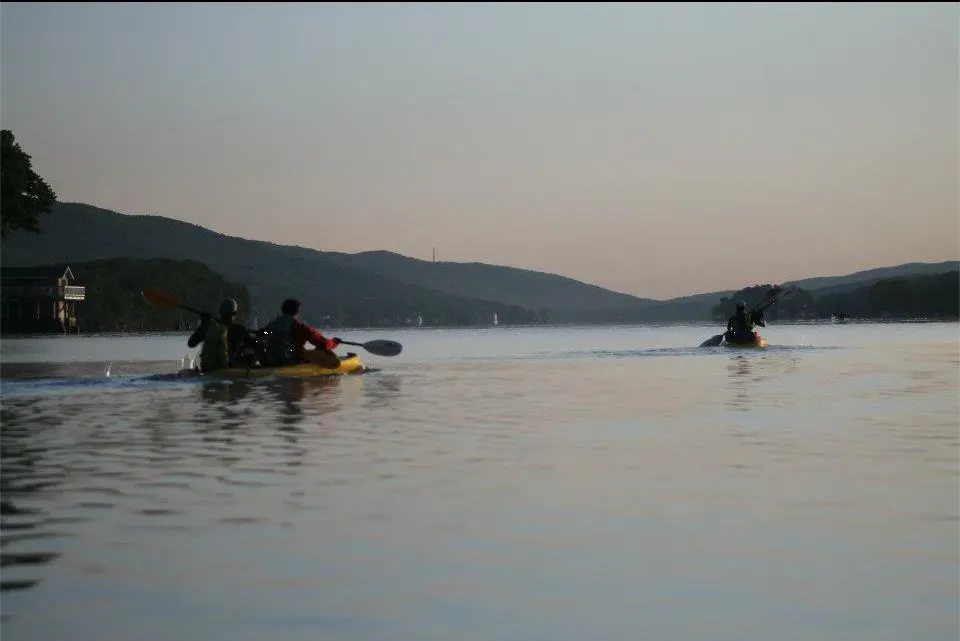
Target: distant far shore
[(472, 328)]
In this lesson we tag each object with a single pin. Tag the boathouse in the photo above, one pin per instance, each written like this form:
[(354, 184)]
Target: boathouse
[(39, 300)]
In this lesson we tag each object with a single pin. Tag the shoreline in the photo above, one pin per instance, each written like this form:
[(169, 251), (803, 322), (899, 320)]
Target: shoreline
[(330, 331)]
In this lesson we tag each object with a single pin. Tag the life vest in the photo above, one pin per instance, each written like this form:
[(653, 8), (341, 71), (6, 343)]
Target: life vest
[(215, 353), (280, 348), (742, 324)]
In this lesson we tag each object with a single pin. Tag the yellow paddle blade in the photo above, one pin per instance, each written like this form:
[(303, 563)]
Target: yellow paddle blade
[(160, 299)]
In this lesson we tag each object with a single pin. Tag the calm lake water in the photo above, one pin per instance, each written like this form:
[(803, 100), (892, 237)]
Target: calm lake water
[(575, 484)]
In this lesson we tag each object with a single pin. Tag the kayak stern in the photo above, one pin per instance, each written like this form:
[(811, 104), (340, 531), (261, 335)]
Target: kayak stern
[(759, 342)]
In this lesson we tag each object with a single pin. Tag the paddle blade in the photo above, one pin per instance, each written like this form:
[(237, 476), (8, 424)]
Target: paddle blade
[(787, 294), (380, 347), (383, 347), (160, 299), (768, 298), (713, 341)]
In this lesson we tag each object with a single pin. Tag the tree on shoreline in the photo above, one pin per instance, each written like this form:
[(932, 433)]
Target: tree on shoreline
[(24, 195)]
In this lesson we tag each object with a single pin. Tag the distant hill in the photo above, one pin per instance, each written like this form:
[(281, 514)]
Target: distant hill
[(374, 288), (367, 290), (826, 285), (525, 288), (924, 296), (113, 301), (930, 296), (113, 298)]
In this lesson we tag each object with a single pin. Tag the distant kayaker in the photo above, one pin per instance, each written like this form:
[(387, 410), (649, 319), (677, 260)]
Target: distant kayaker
[(741, 326), (224, 341), (287, 336)]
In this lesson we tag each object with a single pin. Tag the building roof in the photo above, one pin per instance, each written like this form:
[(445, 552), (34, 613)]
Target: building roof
[(36, 272)]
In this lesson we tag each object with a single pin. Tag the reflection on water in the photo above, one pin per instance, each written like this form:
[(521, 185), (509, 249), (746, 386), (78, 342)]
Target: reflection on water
[(23, 476), (613, 493), (739, 368), (748, 370), (233, 405)]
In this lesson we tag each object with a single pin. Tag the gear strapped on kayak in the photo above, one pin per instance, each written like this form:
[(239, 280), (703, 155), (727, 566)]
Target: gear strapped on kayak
[(742, 326)]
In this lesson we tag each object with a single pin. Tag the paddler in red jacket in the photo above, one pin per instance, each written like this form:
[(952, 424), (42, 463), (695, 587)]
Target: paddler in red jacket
[(288, 336)]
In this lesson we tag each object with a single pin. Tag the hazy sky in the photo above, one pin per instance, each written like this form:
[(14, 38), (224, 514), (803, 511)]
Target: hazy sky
[(655, 149)]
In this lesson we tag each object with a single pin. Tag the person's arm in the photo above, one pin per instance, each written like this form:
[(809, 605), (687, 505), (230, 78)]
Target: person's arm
[(243, 336), (314, 337), (197, 336)]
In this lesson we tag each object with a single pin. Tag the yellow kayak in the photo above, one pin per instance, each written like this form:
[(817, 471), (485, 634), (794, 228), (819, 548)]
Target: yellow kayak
[(759, 342), (350, 364)]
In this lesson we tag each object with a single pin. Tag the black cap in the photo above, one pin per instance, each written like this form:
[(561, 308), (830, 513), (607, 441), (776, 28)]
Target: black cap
[(291, 307), (229, 307)]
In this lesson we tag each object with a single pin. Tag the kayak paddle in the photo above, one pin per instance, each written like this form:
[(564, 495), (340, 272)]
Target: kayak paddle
[(713, 341), (163, 300), (380, 347)]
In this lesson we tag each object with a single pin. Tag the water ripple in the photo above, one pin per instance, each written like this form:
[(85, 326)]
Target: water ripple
[(635, 493)]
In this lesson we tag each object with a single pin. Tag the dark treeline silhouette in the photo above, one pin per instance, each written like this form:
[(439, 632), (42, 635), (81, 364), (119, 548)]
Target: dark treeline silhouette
[(919, 297), (916, 297), (113, 301)]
